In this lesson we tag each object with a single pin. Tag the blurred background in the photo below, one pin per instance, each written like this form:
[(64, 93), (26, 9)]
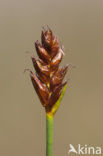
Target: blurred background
[(79, 120)]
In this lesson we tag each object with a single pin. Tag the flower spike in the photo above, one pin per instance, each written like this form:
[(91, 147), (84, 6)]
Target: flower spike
[(48, 80)]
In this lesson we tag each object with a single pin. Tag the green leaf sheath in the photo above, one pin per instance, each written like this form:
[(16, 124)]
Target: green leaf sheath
[(49, 135), (57, 104)]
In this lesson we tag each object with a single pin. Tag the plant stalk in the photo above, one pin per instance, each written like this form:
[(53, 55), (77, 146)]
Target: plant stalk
[(49, 134)]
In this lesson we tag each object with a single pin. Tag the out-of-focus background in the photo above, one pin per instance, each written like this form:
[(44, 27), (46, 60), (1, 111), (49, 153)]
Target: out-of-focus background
[(79, 26)]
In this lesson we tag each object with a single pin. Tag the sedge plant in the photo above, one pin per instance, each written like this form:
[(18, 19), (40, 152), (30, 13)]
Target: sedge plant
[(48, 79)]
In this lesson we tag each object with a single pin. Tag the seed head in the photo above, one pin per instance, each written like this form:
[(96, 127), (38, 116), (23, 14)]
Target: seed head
[(48, 79)]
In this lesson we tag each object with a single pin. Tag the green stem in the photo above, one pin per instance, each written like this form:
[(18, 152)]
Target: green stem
[(49, 135)]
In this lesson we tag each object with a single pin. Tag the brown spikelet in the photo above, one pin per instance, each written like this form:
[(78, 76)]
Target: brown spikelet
[(48, 78)]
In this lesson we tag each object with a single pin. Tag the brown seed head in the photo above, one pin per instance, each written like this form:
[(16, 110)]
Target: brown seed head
[(48, 78)]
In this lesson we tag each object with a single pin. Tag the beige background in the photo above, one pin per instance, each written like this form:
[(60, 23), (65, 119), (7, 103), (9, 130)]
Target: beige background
[(79, 25)]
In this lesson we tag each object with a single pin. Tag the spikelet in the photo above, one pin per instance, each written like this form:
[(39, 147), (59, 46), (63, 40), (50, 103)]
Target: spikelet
[(48, 80)]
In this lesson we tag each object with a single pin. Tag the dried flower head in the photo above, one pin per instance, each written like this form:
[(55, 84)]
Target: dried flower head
[(48, 79)]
